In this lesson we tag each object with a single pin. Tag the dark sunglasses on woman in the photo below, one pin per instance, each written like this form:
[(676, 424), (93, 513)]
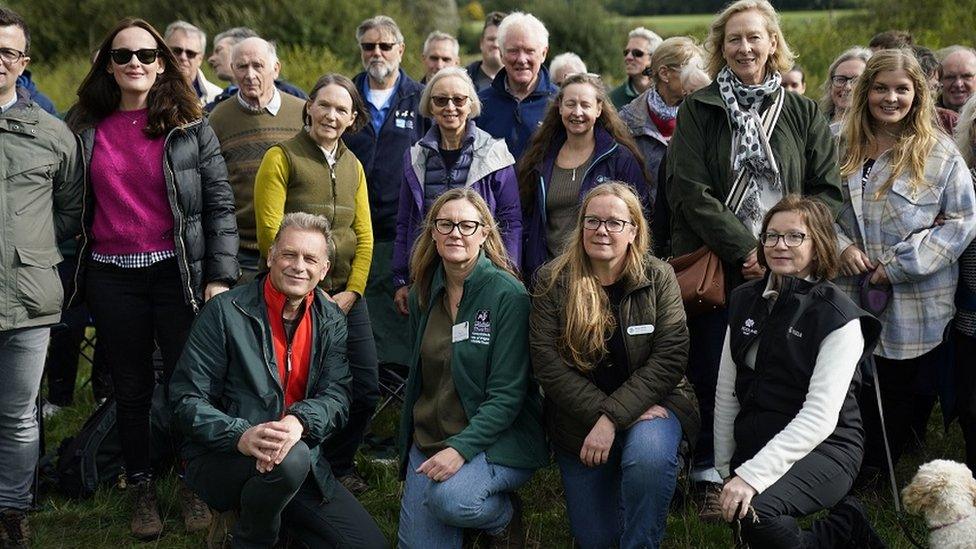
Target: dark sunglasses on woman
[(443, 100), (145, 56)]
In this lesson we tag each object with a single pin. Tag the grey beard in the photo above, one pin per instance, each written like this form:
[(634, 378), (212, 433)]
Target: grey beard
[(379, 71)]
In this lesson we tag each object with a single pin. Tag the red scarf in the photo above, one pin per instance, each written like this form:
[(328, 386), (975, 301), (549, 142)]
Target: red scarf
[(666, 127), (293, 383)]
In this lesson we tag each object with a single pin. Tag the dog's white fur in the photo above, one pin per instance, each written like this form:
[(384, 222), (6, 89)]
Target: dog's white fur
[(944, 492)]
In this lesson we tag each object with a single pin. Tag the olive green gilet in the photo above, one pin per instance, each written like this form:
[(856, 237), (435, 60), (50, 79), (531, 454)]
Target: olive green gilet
[(316, 188)]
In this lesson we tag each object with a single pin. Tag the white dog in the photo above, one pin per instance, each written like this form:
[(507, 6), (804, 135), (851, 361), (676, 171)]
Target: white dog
[(944, 492)]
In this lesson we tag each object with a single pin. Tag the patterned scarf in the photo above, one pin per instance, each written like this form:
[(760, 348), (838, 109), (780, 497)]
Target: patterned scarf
[(750, 148), (660, 109)]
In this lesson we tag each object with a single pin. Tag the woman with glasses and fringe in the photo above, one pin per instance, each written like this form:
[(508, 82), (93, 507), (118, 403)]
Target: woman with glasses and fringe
[(609, 347), (159, 238), (581, 143), (471, 423), (454, 153)]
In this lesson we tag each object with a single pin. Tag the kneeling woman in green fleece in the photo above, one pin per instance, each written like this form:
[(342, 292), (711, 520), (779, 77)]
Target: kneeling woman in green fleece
[(470, 429)]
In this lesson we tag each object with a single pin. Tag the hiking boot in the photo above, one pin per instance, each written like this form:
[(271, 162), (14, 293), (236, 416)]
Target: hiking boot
[(513, 536), (146, 523), (711, 509), (14, 530), (354, 483), (196, 513), (219, 535)]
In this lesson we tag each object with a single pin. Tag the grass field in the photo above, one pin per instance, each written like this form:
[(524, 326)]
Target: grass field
[(674, 25), (102, 522)]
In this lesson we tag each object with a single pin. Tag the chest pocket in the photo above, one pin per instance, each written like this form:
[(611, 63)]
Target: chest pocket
[(911, 209), (29, 179)]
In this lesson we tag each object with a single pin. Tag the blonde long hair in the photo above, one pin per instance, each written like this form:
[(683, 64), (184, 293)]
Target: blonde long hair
[(424, 258), (780, 60), (918, 135), (588, 314)]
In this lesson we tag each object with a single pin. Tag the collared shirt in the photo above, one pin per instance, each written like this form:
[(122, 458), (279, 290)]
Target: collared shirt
[(6, 106), (134, 261), (272, 107), (330, 156)]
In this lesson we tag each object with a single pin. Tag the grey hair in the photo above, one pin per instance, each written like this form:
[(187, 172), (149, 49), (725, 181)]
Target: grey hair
[(303, 221), (965, 132), (438, 36), (236, 34), (566, 61), (446, 72), (526, 21), (189, 29), (949, 50), (272, 51), (653, 39), (379, 22), (856, 52)]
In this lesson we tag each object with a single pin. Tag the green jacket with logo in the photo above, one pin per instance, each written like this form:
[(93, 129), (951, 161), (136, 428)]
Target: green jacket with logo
[(490, 368), (42, 180), (226, 380)]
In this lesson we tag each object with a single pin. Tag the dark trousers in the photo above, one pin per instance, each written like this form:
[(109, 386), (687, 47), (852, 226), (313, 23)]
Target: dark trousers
[(341, 447), (814, 483), (707, 335), (66, 340), (135, 310), (965, 378), (897, 378), (287, 494)]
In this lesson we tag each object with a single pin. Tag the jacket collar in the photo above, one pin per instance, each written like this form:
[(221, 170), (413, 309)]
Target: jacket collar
[(405, 86), (432, 139), (24, 111), (252, 302), (638, 120), (488, 154), (604, 142), (543, 88), (479, 276)]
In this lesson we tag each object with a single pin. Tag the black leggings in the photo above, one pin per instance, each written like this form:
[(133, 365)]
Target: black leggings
[(965, 378)]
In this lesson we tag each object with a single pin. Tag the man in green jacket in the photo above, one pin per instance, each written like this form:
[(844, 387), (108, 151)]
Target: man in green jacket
[(40, 205), (262, 382)]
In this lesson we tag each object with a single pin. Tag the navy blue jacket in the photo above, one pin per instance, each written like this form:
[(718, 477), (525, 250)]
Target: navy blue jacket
[(24, 81), (504, 117), (382, 155)]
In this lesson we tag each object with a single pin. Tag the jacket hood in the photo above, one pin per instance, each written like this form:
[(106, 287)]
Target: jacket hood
[(488, 153)]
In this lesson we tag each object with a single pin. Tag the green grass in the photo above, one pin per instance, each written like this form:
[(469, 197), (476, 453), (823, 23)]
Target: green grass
[(102, 521), (674, 25)]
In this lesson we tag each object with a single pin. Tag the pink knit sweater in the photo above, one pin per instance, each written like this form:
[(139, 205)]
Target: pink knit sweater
[(132, 212)]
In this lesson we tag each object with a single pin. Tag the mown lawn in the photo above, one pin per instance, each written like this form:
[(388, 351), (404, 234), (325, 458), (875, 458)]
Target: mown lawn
[(102, 522), (675, 25)]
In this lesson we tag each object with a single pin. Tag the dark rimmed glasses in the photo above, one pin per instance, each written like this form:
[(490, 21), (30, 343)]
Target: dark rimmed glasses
[(10, 55), (635, 52), (383, 46), (839, 80), (145, 56), (190, 54), (613, 225), (792, 239), (442, 100), (465, 227)]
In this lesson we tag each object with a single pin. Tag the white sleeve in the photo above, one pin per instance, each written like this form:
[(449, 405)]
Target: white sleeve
[(837, 359), (726, 408)]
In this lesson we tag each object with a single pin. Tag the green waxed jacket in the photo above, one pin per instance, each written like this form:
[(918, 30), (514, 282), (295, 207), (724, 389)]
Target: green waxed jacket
[(41, 190), (490, 368), (226, 380), (699, 174)]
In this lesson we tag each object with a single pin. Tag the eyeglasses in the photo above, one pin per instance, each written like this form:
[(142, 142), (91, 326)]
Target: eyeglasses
[(466, 228), (613, 225), (145, 55), (839, 81), (190, 54), (792, 240), (370, 46), (442, 100), (965, 77), (10, 55), (635, 52)]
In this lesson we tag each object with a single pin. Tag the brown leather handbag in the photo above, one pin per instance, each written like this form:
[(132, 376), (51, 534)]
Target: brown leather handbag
[(701, 279)]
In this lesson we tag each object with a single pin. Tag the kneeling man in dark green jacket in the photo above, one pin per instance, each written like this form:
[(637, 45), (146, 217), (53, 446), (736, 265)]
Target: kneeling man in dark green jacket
[(262, 382)]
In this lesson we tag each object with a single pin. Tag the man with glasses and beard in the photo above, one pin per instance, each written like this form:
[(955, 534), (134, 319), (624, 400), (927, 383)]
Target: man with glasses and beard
[(189, 45), (392, 99)]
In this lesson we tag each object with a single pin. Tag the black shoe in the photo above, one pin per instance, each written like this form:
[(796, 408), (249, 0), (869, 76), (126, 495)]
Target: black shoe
[(14, 530), (850, 513)]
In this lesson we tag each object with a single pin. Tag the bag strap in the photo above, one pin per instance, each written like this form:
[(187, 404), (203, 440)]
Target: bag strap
[(741, 184)]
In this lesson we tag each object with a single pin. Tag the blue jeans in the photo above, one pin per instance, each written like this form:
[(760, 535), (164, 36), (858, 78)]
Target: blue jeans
[(624, 502), (434, 514), (22, 355)]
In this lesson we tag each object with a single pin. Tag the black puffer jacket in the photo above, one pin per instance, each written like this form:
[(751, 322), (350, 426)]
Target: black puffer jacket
[(202, 202)]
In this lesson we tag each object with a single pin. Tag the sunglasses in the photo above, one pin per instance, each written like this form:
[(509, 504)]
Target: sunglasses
[(190, 54), (443, 100), (370, 46), (123, 56), (635, 52)]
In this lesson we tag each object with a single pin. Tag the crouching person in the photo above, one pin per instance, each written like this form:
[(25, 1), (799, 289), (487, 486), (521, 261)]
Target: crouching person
[(262, 382)]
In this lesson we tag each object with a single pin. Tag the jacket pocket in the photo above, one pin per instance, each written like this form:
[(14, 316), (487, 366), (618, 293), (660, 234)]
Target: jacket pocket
[(38, 285)]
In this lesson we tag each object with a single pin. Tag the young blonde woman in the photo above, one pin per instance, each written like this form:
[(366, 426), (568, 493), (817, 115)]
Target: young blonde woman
[(909, 212), (609, 346)]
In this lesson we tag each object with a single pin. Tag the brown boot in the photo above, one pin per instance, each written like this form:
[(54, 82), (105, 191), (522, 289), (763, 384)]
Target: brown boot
[(146, 523), (14, 530), (219, 535), (711, 509), (196, 513), (513, 536)]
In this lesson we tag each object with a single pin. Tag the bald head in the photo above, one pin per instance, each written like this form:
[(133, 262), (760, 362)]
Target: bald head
[(958, 77), (255, 65)]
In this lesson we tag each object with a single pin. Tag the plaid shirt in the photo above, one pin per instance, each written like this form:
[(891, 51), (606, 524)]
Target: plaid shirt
[(134, 261), (898, 230)]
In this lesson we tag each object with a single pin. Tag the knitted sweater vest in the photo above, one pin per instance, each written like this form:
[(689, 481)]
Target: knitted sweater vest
[(244, 137)]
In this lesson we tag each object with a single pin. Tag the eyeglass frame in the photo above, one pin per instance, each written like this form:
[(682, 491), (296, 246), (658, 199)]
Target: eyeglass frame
[(383, 46), (632, 52), (605, 223), (845, 80), (458, 100), (457, 225), (766, 235), (177, 51), (20, 55), (133, 53)]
